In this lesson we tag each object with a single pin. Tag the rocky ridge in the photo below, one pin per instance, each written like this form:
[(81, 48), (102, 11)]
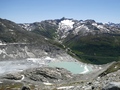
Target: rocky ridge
[(65, 26)]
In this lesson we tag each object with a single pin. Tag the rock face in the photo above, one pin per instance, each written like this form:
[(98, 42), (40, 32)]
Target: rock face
[(14, 76), (48, 74), (22, 51), (25, 88), (42, 52), (112, 86), (110, 81)]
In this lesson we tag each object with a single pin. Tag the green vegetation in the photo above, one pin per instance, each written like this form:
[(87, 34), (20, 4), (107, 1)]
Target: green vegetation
[(95, 49), (114, 67), (14, 86), (56, 44), (10, 86)]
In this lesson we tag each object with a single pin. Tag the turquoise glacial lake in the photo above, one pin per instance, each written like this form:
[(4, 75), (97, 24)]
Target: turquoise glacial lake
[(74, 67)]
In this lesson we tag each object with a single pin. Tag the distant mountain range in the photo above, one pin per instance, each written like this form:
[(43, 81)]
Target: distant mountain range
[(61, 28), (87, 41)]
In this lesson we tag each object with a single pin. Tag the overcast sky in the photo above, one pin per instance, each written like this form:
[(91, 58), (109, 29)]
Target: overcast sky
[(26, 11)]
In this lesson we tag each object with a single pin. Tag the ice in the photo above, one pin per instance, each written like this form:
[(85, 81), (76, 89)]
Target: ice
[(68, 23), (85, 70)]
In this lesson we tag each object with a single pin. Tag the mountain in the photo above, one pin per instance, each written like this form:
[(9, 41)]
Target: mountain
[(10, 32), (87, 40), (17, 43), (113, 24), (27, 49), (61, 28)]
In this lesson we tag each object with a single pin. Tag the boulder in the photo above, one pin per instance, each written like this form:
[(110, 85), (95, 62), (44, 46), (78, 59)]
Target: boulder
[(14, 76), (112, 86), (25, 88)]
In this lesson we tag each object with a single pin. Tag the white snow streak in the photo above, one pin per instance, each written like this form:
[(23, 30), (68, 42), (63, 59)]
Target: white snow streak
[(85, 71), (65, 87)]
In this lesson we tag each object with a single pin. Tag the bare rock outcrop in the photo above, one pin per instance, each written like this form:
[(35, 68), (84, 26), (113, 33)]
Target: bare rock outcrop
[(112, 86), (48, 74)]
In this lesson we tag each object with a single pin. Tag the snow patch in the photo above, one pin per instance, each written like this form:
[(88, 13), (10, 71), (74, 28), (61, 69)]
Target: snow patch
[(1, 51), (67, 23), (36, 60), (42, 60), (47, 83), (85, 70), (22, 77), (115, 66), (94, 24), (48, 58), (81, 27), (100, 67), (46, 38), (26, 26), (1, 43), (64, 27), (65, 87), (100, 27), (33, 59)]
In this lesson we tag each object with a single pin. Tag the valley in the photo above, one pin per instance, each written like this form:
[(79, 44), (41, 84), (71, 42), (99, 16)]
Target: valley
[(60, 54)]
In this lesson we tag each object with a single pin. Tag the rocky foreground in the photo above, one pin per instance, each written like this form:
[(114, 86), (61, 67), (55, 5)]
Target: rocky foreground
[(48, 78)]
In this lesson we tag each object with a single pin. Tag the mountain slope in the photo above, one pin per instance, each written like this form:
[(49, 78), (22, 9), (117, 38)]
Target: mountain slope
[(10, 32), (96, 49), (45, 28), (18, 43), (90, 41)]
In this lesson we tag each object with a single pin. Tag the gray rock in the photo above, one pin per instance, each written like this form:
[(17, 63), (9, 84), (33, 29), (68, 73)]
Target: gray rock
[(25, 88), (14, 76), (48, 74), (112, 86)]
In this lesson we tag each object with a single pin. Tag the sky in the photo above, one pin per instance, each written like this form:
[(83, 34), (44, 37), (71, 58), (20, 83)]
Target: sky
[(28, 11)]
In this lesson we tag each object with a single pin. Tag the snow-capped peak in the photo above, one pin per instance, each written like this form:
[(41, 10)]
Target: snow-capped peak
[(64, 27), (67, 23)]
